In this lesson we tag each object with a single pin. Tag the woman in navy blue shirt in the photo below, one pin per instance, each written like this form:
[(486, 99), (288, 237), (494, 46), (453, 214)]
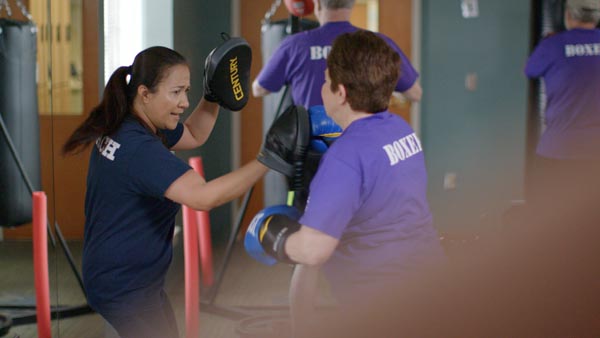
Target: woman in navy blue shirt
[(135, 185)]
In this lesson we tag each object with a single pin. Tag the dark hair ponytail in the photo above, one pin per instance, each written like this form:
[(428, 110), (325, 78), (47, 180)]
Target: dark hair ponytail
[(148, 69), (106, 117)]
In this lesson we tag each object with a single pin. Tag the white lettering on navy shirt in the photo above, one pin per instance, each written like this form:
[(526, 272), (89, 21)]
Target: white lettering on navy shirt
[(319, 52), (403, 148), (107, 147), (587, 49)]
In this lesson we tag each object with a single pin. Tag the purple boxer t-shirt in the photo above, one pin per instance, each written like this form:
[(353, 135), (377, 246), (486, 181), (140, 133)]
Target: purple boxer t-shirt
[(300, 61), (370, 193), (569, 63)]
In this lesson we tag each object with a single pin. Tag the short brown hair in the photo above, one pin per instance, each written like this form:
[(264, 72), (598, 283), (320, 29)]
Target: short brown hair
[(367, 67)]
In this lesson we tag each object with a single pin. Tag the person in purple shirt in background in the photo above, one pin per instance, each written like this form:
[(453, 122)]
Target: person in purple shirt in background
[(300, 60), (367, 222), (566, 171)]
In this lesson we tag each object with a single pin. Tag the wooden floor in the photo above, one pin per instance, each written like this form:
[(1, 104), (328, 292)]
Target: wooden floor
[(248, 289), (528, 281)]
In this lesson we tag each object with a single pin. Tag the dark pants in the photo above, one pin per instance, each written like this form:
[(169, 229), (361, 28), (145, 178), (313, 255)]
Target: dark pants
[(152, 321)]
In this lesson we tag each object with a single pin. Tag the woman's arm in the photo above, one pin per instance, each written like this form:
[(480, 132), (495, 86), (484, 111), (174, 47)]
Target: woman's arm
[(198, 126), (414, 93), (191, 189), (310, 247)]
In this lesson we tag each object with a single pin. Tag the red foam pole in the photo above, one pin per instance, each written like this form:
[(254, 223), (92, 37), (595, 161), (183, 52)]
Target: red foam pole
[(204, 238), (192, 294), (205, 247), (40, 264)]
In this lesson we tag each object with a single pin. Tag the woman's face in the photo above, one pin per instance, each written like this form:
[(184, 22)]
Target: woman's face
[(164, 106)]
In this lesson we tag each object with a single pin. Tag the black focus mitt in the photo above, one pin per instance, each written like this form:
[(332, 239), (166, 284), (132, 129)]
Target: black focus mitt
[(284, 149), (227, 73)]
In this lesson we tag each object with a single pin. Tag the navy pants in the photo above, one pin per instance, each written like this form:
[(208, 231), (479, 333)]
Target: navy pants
[(152, 321)]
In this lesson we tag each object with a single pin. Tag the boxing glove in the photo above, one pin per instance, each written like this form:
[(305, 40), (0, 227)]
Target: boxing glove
[(323, 129), (269, 230)]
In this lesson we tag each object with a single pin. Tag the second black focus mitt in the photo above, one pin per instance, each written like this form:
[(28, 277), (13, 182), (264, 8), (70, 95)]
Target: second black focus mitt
[(284, 148), (227, 74)]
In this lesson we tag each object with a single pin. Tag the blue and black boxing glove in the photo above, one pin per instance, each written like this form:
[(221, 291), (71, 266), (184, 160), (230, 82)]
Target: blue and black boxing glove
[(323, 129), (269, 230)]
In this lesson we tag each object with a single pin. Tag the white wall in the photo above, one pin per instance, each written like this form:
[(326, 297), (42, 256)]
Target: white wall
[(133, 25), (157, 23)]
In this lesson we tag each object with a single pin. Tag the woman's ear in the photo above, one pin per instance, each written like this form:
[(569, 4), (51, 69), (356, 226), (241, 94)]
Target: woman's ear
[(143, 93)]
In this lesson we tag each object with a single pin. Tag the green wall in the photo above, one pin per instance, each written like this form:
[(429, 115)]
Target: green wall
[(480, 134), (197, 26)]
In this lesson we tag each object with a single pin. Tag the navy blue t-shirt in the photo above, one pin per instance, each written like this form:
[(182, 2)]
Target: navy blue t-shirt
[(129, 223)]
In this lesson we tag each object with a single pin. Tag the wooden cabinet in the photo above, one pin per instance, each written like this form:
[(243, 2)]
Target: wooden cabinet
[(59, 56)]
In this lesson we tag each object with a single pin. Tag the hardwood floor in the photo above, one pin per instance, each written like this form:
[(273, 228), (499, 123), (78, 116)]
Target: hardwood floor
[(247, 288)]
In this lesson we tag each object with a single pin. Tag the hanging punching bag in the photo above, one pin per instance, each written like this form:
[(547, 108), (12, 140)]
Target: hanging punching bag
[(272, 33), (552, 17), (19, 112)]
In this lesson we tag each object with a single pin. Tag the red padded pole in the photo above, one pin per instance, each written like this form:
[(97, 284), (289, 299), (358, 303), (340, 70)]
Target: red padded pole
[(206, 260), (40, 264), (190, 256)]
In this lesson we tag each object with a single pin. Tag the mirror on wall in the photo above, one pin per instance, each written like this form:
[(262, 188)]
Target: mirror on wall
[(53, 102), (26, 163)]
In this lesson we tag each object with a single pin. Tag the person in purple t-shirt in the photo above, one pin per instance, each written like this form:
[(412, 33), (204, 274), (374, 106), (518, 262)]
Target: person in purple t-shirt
[(568, 152), (300, 60), (367, 222)]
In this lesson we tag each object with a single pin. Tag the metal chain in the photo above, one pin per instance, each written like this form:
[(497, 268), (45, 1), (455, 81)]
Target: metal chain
[(271, 11), (24, 10), (4, 3)]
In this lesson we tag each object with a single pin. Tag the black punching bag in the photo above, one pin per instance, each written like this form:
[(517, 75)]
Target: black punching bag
[(19, 112), (272, 33)]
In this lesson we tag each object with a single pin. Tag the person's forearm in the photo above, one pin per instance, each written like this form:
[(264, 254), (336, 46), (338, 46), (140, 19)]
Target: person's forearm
[(414, 93), (309, 246), (201, 121), (258, 90), (232, 185)]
